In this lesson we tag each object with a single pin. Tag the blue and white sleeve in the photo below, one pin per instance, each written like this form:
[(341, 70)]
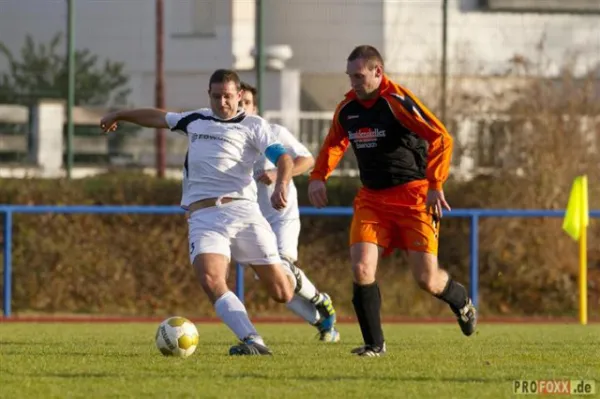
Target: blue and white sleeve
[(267, 143)]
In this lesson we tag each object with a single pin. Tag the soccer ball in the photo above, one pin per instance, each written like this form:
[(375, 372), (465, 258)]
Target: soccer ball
[(177, 336)]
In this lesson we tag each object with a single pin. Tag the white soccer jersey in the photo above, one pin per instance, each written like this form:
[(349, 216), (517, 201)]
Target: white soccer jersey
[(221, 153), (295, 149)]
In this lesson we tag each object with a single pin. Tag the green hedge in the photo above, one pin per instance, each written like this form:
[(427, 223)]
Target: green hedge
[(139, 265)]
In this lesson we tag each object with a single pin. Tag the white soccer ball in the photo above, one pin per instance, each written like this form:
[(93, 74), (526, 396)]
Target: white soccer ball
[(177, 336)]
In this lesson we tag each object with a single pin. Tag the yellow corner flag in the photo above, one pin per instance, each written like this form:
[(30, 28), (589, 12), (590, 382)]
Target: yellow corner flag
[(577, 219)]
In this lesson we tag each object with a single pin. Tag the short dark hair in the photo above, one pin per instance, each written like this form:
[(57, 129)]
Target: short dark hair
[(224, 76), (368, 53), (249, 88)]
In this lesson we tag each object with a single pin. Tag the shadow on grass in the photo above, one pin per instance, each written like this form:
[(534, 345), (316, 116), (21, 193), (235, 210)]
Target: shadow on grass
[(78, 375), (21, 343), (58, 353), (375, 378), (66, 375)]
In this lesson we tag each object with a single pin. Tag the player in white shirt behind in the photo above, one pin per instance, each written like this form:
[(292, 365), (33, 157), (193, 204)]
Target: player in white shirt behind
[(314, 307), (220, 195)]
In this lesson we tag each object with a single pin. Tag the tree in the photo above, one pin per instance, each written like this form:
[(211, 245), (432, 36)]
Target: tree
[(42, 71)]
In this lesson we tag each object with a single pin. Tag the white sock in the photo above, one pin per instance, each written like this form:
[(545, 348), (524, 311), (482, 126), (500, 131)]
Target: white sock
[(307, 289), (233, 313), (304, 309)]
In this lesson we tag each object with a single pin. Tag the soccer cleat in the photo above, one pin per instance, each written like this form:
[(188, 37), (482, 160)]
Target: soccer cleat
[(249, 347), (325, 308), (369, 351), (326, 326), (330, 335), (467, 318)]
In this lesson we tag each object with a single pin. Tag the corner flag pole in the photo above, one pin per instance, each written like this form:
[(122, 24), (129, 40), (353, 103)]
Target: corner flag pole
[(577, 218), (584, 215)]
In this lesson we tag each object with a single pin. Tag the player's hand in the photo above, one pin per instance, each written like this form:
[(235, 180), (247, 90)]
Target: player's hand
[(435, 202), (108, 123), (267, 177), (317, 193), (279, 196)]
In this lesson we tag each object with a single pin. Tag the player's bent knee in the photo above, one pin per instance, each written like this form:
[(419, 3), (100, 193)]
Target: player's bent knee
[(364, 273), (276, 282), (292, 273), (283, 293), (427, 282), (364, 262), (213, 286), (427, 274)]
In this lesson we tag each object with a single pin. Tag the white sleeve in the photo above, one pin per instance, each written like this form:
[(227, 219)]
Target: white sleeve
[(172, 118), (263, 135), (290, 142)]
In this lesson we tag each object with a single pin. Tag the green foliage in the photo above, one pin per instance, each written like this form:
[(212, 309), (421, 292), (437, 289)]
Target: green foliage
[(42, 71), (139, 264)]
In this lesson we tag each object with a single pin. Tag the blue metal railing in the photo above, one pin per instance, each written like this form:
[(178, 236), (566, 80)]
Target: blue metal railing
[(473, 214)]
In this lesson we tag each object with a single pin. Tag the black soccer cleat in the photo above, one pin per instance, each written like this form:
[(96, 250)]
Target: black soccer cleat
[(369, 351), (249, 347), (467, 318)]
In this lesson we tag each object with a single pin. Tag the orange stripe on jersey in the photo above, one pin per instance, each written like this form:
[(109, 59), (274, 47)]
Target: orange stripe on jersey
[(333, 147), (417, 118)]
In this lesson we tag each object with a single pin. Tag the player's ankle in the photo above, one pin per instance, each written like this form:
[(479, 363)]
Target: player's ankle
[(318, 299)]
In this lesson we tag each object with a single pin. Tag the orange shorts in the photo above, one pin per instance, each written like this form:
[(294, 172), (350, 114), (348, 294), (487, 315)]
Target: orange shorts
[(395, 218)]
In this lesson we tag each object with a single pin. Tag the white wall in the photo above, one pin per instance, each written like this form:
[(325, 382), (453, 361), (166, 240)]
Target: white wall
[(124, 31), (323, 32), (482, 42), (408, 32)]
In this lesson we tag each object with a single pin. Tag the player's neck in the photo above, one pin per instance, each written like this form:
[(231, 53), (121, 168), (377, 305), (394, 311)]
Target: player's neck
[(229, 116)]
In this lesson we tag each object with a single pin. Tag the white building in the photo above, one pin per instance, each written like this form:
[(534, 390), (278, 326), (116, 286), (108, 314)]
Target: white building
[(203, 35)]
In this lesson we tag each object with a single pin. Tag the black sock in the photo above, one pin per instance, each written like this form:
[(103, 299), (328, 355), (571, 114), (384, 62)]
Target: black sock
[(367, 305), (455, 295)]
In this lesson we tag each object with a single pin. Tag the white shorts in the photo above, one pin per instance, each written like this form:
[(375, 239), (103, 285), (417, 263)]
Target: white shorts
[(287, 232), (237, 230)]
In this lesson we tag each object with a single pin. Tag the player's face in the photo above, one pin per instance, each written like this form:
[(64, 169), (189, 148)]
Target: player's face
[(224, 99), (248, 103), (364, 79)]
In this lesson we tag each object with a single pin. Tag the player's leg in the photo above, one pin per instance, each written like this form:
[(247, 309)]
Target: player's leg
[(210, 255), (254, 244), (274, 279), (368, 235), (211, 269), (422, 232), (310, 304)]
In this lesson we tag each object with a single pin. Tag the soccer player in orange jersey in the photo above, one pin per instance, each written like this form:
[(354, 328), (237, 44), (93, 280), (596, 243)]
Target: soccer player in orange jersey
[(403, 155)]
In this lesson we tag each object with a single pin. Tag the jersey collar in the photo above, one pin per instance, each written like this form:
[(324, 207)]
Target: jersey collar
[(384, 87), (239, 114)]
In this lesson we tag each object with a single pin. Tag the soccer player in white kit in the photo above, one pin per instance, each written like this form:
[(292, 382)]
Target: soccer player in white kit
[(314, 307), (220, 195)]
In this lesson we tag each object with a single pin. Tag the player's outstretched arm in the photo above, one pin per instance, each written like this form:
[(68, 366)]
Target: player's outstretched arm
[(146, 117)]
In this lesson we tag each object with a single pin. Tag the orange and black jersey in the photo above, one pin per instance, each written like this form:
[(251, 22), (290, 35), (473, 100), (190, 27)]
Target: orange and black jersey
[(395, 138)]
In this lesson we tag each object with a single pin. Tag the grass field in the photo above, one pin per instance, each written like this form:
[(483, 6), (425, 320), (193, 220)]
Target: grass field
[(423, 361)]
